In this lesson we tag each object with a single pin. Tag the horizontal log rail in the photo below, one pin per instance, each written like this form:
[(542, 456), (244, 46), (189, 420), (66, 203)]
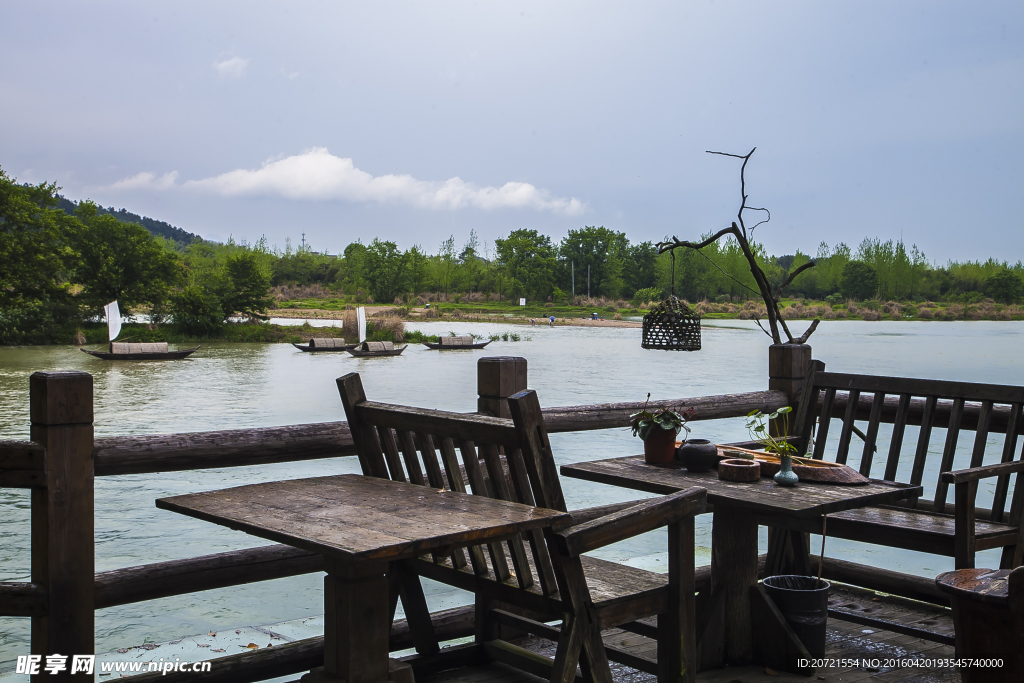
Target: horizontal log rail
[(22, 599), (177, 577), (239, 447)]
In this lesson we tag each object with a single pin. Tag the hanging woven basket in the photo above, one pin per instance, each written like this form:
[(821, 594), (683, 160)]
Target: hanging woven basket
[(672, 326)]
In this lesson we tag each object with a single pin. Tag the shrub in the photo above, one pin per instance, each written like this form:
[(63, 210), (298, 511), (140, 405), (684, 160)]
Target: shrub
[(197, 312), (926, 313), (646, 294), (871, 315)]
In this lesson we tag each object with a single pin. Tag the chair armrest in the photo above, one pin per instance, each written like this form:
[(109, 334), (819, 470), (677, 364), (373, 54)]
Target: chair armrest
[(983, 472), (648, 515), (585, 515)]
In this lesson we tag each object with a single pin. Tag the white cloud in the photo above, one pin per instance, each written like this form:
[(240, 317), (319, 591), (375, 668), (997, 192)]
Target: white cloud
[(147, 181), (231, 68), (319, 175)]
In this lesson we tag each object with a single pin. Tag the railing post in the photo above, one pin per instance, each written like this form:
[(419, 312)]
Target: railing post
[(63, 555), (787, 368), (497, 378)]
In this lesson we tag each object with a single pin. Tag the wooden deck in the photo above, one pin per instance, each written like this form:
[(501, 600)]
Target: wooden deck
[(845, 640)]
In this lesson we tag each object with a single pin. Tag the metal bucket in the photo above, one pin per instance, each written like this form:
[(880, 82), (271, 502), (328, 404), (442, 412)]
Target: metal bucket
[(804, 604)]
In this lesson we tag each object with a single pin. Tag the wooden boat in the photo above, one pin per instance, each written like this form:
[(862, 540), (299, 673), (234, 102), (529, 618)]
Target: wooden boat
[(371, 349), (325, 344), (150, 351), (450, 343)]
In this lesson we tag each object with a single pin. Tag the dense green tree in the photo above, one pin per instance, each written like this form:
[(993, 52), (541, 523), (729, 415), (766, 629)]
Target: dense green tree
[(860, 281), (600, 250), (248, 286), (197, 311), (385, 270), (527, 262), (35, 258), (638, 268), (1004, 286), (121, 261), (353, 267)]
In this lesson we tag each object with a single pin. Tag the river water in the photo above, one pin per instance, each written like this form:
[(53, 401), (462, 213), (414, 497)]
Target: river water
[(230, 386)]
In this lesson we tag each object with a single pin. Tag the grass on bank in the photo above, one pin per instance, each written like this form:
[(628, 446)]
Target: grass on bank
[(792, 309)]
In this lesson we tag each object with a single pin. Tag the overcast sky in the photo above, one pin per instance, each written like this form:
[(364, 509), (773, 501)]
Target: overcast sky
[(414, 121)]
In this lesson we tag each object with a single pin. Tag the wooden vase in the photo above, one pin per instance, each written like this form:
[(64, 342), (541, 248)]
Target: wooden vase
[(660, 446)]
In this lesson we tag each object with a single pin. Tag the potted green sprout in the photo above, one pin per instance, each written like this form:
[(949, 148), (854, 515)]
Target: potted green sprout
[(758, 424), (658, 429)]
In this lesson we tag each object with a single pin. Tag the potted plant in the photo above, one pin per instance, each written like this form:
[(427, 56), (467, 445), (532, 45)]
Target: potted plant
[(758, 424), (659, 429)]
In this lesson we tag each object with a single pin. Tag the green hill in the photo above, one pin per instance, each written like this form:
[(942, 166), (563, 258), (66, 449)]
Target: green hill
[(154, 226)]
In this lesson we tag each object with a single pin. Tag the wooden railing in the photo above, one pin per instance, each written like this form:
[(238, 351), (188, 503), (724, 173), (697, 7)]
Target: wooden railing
[(61, 460)]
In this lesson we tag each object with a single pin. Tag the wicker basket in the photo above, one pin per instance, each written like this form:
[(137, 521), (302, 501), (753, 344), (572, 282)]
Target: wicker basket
[(672, 326)]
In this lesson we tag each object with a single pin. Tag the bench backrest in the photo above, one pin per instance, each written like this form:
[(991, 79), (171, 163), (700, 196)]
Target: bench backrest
[(500, 458), (956, 406)]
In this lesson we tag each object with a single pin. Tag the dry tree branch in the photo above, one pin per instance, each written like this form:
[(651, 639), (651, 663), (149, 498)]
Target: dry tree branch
[(740, 232)]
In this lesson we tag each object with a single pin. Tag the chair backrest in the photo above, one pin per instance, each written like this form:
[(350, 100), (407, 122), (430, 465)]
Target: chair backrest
[(500, 458), (930, 404)]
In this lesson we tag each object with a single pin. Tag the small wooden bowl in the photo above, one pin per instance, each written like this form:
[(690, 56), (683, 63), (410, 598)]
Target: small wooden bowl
[(739, 470)]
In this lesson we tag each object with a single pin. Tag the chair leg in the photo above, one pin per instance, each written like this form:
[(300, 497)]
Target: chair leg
[(581, 623), (677, 637)]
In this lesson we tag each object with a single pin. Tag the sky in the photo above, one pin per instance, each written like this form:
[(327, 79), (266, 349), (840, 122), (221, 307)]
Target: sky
[(413, 121)]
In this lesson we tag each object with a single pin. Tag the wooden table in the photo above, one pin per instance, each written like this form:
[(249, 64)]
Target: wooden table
[(728, 636), (360, 525)]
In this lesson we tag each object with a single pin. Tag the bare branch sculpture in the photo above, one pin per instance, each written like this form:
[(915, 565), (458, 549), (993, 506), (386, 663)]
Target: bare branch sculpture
[(742, 234)]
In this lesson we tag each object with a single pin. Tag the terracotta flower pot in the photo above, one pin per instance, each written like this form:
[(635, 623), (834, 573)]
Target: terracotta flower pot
[(660, 446)]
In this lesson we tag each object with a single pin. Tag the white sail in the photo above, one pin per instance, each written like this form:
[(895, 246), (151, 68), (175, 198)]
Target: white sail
[(113, 319), (361, 321)]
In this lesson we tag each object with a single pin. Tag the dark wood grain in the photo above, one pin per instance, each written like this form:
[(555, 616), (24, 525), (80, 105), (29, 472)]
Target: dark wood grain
[(63, 552), (355, 518), (177, 577), (762, 496), (22, 599)]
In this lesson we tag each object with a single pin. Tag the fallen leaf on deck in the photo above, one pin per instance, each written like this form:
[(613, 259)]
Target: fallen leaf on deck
[(212, 633), (122, 650), (252, 646), (771, 672), (439, 491), (218, 650), (175, 642), (238, 630), (204, 645)]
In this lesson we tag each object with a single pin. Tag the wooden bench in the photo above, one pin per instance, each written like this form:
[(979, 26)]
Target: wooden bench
[(934, 526), (534, 579)]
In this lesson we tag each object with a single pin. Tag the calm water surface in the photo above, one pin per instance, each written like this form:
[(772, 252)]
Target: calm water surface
[(230, 386)]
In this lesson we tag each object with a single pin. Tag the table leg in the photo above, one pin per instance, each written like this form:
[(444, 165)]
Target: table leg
[(356, 623), (734, 571)]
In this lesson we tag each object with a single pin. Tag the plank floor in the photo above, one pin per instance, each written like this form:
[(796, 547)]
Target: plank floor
[(845, 640)]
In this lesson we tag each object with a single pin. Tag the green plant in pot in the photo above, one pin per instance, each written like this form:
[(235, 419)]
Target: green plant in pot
[(658, 429), (759, 426)]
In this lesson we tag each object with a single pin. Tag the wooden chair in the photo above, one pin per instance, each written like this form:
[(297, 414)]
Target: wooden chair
[(534, 578), (931, 526)]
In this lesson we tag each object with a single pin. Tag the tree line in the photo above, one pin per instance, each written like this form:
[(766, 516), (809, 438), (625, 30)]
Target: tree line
[(60, 268)]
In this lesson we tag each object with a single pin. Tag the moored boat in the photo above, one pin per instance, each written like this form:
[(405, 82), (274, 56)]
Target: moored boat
[(451, 343), (370, 349), (325, 344), (147, 351)]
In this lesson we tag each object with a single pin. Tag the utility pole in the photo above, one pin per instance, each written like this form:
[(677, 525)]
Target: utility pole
[(588, 280)]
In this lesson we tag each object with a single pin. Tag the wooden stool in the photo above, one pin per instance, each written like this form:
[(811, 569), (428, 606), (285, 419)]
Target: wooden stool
[(988, 614)]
